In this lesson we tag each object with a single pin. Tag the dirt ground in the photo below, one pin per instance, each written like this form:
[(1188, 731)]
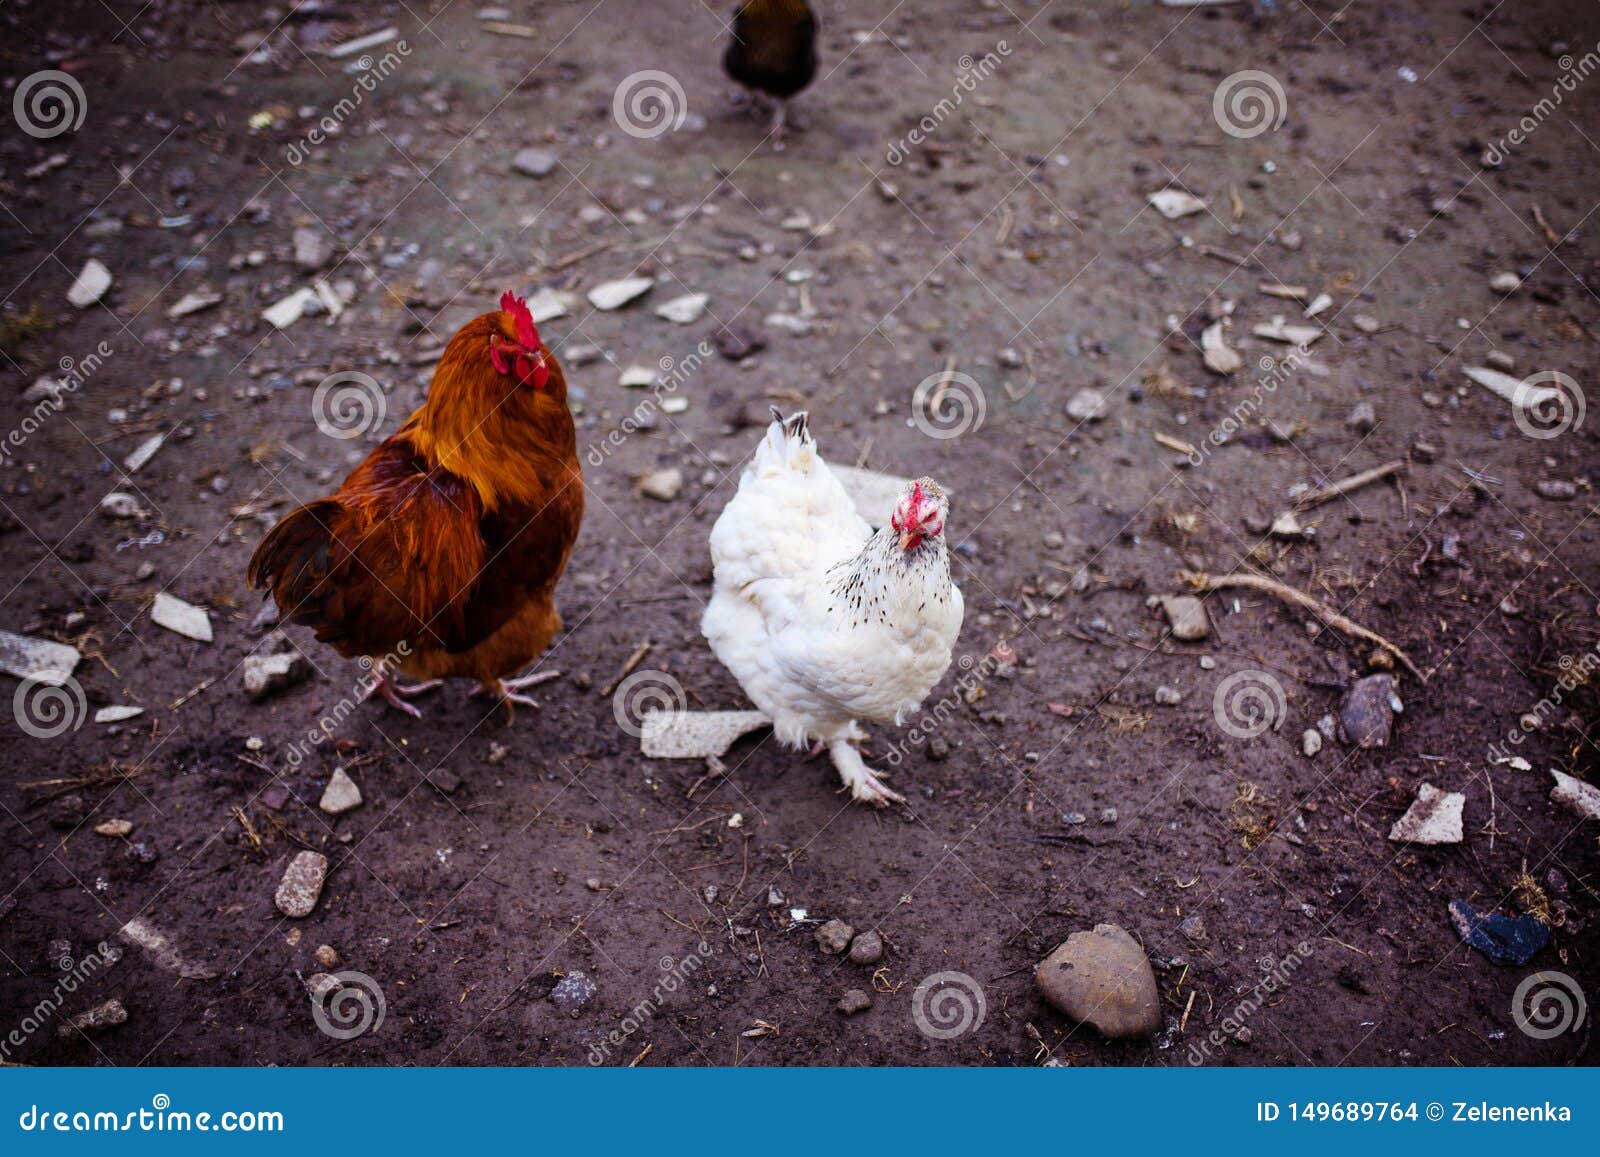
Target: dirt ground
[(1013, 244)]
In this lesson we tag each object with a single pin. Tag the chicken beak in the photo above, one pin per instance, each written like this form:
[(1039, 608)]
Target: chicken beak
[(909, 540)]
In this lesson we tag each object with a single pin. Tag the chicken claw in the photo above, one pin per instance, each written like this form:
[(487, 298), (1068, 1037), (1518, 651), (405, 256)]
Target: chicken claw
[(395, 694), (506, 691), (863, 782)]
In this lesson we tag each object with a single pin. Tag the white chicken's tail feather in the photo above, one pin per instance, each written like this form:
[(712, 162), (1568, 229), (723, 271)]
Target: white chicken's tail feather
[(788, 444)]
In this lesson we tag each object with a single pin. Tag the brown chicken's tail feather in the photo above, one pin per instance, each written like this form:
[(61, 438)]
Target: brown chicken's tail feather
[(293, 560)]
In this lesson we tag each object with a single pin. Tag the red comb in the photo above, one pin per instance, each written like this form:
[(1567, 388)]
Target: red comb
[(527, 334)]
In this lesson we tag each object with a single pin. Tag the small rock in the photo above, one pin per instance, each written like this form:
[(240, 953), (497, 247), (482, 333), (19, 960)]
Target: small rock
[(180, 617), (326, 957), (312, 248), (1500, 360), (1576, 796), (534, 162), (1503, 939), (1175, 203), (1505, 282), (107, 1015), (637, 377), (341, 794), (118, 713), (737, 342), (1366, 323), (1434, 818), (616, 294), (834, 937), (193, 303), (1311, 742), (1366, 717), (1194, 928), (1087, 406), (1556, 490), (1187, 616), (45, 660), (662, 485), (1102, 978), (301, 886), (1363, 418), (265, 675), (573, 991), (91, 284), (854, 1001), (67, 812), (1168, 696), (113, 828), (118, 504), (685, 310), (867, 948), (142, 852), (445, 781), (1108, 815)]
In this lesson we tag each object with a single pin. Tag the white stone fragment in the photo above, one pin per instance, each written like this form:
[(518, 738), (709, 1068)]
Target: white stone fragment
[(182, 618), (43, 659), (616, 294), (1433, 818), (91, 284), (696, 734)]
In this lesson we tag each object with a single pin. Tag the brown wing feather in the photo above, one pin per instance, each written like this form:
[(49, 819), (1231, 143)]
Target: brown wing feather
[(393, 557)]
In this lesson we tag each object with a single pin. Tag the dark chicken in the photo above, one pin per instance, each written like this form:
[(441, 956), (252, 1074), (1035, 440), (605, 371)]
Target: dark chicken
[(774, 52), (441, 551)]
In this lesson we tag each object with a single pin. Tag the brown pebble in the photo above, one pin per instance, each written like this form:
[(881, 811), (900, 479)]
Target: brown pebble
[(834, 937), (301, 886), (326, 956), (853, 1002), (867, 948), (113, 828)]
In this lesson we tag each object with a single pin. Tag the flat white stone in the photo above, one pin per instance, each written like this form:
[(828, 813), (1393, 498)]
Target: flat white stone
[(685, 310), (341, 794), (1576, 795), (1175, 203), (616, 294), (1279, 330), (874, 494), (291, 309), (43, 659), (1433, 818), (193, 303), (117, 714), (1510, 388), (549, 304), (143, 452), (183, 618), (696, 734), (91, 285)]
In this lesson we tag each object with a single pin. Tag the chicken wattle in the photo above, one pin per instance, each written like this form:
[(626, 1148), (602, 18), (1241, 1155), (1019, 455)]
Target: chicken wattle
[(824, 622)]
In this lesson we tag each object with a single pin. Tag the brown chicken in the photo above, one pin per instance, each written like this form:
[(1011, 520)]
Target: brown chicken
[(439, 555), (774, 52)]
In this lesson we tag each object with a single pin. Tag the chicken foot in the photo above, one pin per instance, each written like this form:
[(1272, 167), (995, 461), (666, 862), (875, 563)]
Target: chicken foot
[(861, 780), (507, 691), (395, 693)]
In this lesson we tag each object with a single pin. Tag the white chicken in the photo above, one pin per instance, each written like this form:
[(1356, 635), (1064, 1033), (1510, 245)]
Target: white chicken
[(823, 622)]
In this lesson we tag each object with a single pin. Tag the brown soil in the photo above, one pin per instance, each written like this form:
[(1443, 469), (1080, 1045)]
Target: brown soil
[(1019, 224)]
